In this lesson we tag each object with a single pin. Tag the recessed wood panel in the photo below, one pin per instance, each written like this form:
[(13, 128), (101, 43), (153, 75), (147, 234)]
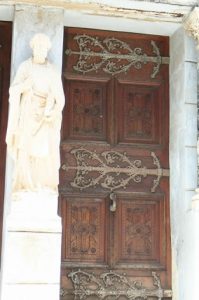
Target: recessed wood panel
[(106, 54), (141, 231), (139, 113), (84, 236), (87, 111)]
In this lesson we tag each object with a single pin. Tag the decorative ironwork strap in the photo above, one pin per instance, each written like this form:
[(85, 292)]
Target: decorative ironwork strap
[(112, 55), (114, 285), (109, 165)]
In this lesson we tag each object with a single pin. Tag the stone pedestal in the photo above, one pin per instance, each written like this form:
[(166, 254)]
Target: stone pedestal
[(32, 249)]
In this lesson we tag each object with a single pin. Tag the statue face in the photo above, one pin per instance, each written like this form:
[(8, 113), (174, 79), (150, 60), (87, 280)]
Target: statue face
[(40, 52)]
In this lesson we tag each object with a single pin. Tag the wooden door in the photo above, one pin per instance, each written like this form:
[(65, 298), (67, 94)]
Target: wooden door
[(5, 53), (114, 178)]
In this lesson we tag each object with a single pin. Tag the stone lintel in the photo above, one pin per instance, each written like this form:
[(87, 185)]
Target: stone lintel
[(168, 11)]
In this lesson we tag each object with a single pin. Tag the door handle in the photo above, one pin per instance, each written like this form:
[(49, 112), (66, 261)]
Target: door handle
[(113, 204)]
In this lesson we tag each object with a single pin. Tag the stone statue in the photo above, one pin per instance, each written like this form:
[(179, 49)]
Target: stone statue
[(33, 134)]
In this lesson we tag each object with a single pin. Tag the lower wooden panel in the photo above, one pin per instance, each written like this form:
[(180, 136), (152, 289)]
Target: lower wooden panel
[(140, 237), (84, 230)]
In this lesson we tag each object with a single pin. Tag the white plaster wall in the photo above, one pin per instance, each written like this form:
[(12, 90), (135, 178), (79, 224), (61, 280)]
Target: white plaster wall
[(6, 12), (183, 163)]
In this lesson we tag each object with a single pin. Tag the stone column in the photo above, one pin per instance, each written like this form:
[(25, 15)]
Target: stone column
[(191, 25), (32, 236)]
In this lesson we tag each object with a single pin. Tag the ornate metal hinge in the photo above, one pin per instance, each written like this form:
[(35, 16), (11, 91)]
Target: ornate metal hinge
[(114, 285), (112, 55), (109, 165)]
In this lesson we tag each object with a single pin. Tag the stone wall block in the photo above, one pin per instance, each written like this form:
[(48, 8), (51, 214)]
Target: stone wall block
[(32, 292), (189, 169), (33, 257), (191, 54), (190, 83), (177, 50), (191, 125)]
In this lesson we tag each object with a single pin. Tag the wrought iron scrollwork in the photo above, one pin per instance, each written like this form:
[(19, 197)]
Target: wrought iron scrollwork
[(109, 165), (112, 55), (112, 284)]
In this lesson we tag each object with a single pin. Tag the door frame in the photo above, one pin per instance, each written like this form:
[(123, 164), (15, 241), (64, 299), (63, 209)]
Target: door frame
[(183, 120), (182, 131), (3, 120)]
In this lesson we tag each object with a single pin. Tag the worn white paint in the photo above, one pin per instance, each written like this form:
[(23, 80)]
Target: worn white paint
[(128, 9), (6, 12), (83, 20)]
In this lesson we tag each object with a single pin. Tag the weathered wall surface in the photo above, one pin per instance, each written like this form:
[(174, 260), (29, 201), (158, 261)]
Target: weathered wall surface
[(168, 10), (183, 161)]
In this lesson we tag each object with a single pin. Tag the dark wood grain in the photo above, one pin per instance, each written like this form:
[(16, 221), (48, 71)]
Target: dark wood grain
[(115, 121), (5, 56)]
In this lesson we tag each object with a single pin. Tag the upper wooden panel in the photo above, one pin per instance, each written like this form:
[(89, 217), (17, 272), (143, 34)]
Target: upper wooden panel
[(140, 110), (116, 86), (87, 111), (107, 54)]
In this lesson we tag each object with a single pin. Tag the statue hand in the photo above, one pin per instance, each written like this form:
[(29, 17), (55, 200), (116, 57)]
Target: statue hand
[(52, 116), (49, 117)]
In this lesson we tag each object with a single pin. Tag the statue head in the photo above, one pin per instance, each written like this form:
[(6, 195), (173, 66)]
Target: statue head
[(40, 45)]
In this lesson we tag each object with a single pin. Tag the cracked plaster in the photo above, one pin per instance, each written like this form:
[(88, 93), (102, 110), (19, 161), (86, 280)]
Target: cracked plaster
[(167, 10)]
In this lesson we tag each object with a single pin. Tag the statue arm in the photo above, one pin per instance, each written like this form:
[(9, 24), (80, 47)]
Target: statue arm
[(21, 81), (54, 111), (16, 90)]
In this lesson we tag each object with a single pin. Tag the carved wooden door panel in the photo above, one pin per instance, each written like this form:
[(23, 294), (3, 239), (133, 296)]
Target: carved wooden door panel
[(114, 178), (5, 53)]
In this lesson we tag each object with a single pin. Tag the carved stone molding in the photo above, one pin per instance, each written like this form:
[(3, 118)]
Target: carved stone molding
[(191, 24), (114, 285)]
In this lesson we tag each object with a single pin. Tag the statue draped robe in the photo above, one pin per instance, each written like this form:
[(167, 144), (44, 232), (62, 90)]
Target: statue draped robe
[(34, 123)]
